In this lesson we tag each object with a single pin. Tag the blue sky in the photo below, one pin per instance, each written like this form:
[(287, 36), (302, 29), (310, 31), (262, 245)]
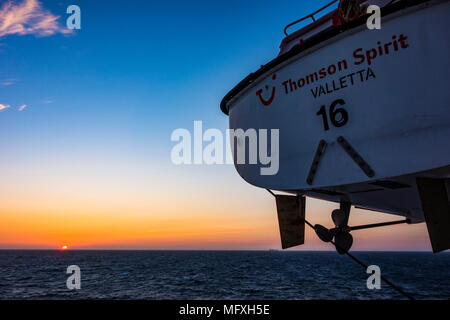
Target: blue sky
[(135, 71)]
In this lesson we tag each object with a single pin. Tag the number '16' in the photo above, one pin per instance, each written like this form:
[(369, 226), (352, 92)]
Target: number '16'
[(338, 116)]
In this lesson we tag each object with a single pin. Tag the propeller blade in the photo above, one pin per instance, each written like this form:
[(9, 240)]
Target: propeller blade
[(338, 217), (323, 233), (343, 242)]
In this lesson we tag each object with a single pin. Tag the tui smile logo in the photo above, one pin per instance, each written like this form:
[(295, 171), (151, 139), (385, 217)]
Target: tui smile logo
[(269, 101)]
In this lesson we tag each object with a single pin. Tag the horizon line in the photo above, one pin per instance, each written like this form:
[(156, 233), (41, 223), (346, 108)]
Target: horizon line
[(209, 250)]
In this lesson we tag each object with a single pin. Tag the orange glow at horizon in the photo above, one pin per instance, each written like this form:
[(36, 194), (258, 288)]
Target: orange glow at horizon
[(204, 214), (243, 230)]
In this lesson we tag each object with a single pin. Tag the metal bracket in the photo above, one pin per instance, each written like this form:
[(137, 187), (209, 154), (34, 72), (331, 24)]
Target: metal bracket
[(316, 161), (356, 157)]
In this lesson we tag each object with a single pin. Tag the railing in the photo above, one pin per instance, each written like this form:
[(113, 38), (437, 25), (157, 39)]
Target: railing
[(308, 16)]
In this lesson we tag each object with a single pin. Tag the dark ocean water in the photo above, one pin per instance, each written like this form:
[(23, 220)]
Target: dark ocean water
[(219, 275)]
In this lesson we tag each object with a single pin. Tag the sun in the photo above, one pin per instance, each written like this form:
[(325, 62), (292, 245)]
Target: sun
[(64, 247)]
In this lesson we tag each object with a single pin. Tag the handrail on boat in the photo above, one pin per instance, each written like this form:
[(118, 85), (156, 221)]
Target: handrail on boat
[(308, 16)]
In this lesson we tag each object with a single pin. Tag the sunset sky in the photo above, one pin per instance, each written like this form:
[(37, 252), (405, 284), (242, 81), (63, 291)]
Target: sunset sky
[(86, 119)]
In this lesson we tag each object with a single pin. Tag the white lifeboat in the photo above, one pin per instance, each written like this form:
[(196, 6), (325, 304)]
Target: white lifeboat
[(363, 115)]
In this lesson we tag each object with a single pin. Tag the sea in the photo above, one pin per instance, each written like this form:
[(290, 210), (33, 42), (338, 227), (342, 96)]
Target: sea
[(214, 275)]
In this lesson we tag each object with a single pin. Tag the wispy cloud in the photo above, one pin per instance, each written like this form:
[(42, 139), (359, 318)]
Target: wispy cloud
[(8, 82), (47, 100), (28, 17), (4, 107), (22, 107)]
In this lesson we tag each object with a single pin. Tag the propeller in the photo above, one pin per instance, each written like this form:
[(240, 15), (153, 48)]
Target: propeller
[(343, 240)]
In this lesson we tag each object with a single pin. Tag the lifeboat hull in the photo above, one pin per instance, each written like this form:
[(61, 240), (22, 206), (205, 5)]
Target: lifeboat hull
[(385, 92)]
